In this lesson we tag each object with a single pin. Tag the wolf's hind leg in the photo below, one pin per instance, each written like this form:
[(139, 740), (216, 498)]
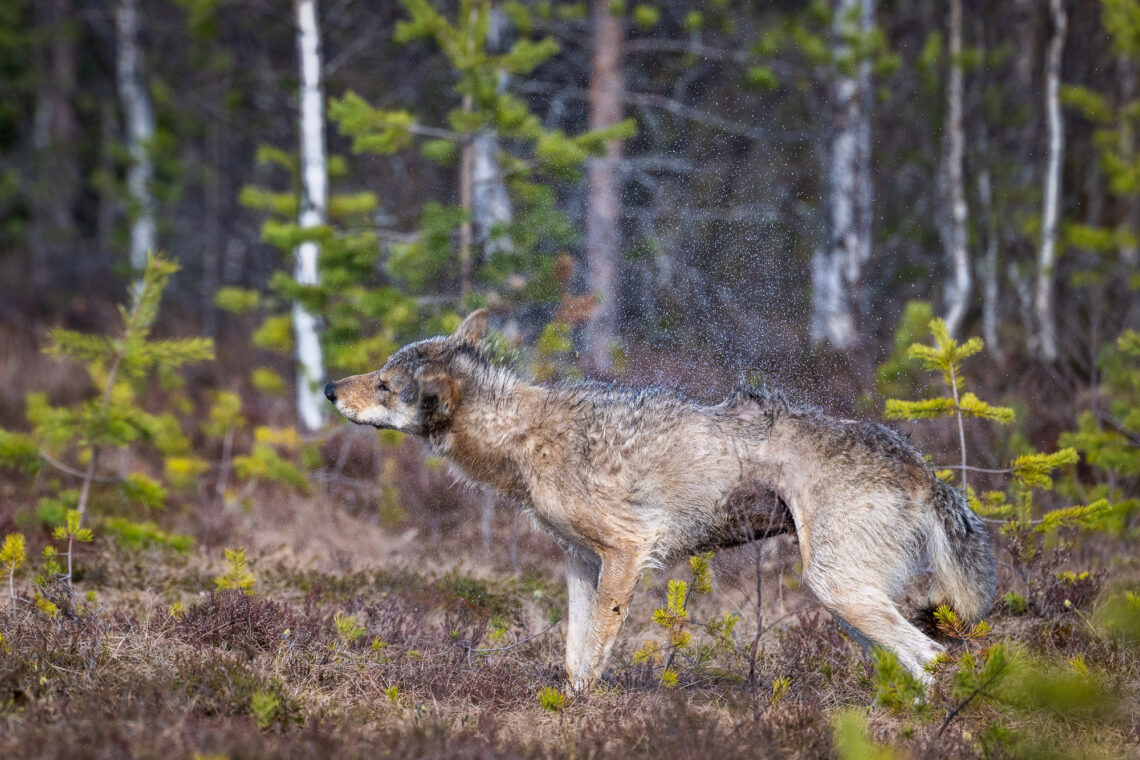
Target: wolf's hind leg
[(582, 570), (873, 615)]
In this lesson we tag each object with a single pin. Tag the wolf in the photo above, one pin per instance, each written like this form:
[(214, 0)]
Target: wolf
[(626, 479)]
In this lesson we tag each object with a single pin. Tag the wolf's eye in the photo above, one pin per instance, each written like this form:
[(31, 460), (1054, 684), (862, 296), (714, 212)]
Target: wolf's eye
[(382, 386)]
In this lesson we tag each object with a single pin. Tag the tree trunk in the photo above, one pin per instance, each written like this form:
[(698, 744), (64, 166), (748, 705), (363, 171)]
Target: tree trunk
[(139, 117), (1127, 148), (603, 204), (958, 292), (989, 269), (314, 213), (467, 203), (837, 268), (212, 223), (490, 203), (54, 133), (1043, 306)]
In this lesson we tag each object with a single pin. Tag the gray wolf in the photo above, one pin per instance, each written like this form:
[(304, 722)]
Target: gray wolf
[(626, 479)]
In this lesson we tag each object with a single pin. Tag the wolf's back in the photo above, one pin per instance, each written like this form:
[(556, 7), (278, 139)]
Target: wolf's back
[(961, 555)]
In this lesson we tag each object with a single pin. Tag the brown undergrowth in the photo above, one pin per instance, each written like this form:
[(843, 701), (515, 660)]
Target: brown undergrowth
[(413, 650)]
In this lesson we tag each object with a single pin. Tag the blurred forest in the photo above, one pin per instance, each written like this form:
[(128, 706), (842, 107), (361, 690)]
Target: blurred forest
[(208, 208), (743, 187)]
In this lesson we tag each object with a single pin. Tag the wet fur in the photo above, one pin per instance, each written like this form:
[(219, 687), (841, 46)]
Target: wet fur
[(624, 479)]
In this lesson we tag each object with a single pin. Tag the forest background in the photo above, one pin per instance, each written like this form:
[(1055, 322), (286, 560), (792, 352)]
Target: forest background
[(691, 194)]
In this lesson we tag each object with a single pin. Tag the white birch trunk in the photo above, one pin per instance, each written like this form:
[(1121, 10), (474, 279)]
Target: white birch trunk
[(139, 117), (314, 213), (958, 291), (490, 203), (1043, 307), (837, 268)]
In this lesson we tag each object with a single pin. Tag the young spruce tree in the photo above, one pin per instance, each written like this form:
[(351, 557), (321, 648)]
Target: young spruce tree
[(119, 367)]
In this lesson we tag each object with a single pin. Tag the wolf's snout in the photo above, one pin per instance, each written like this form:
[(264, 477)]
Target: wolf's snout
[(330, 391)]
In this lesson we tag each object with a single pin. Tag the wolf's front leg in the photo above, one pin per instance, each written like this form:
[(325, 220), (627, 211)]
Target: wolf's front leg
[(620, 570), (582, 570)]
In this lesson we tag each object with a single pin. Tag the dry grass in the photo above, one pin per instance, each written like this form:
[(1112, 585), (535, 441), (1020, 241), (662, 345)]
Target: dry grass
[(129, 678)]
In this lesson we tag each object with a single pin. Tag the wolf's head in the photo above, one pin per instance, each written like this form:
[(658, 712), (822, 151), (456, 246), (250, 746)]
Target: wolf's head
[(417, 390)]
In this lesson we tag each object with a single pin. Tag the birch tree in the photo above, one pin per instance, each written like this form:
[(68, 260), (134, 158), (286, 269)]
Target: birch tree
[(314, 213), (482, 192), (954, 236), (490, 204), (603, 205), (837, 268), (139, 117), (1043, 305)]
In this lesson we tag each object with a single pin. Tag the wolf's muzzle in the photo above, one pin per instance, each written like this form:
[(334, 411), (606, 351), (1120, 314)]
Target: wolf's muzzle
[(330, 391)]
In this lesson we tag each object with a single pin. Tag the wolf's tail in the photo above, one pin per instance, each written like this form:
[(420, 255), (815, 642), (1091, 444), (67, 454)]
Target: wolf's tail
[(965, 571)]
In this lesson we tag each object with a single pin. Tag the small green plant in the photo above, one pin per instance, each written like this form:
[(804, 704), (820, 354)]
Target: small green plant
[(1015, 602), (393, 694), (498, 626), (780, 687), (12, 555), (238, 576), (551, 699), (348, 630), (895, 687), (852, 741), (71, 531), (47, 606), (264, 705), (949, 624), (137, 535), (674, 618)]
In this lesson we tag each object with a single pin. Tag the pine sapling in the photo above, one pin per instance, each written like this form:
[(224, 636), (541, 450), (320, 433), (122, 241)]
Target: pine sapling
[(71, 531), (674, 616), (945, 356), (238, 576), (117, 365), (12, 555)]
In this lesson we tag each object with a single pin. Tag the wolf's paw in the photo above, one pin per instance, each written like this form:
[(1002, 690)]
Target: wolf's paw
[(580, 683)]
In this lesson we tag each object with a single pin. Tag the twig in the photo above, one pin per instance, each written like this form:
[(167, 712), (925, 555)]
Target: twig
[(971, 468), (1111, 421), (962, 705), (954, 713), (552, 626), (72, 471), (997, 521)]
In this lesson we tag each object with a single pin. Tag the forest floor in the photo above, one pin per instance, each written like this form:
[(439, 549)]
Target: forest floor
[(445, 647)]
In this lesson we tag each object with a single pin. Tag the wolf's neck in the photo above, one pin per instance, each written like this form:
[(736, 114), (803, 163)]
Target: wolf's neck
[(486, 434)]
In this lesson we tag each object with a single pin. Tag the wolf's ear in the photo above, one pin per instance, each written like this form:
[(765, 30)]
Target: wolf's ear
[(438, 392), (473, 329)]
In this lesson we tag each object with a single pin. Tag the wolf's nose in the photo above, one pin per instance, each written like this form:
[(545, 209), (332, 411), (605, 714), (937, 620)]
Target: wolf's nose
[(330, 391)]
